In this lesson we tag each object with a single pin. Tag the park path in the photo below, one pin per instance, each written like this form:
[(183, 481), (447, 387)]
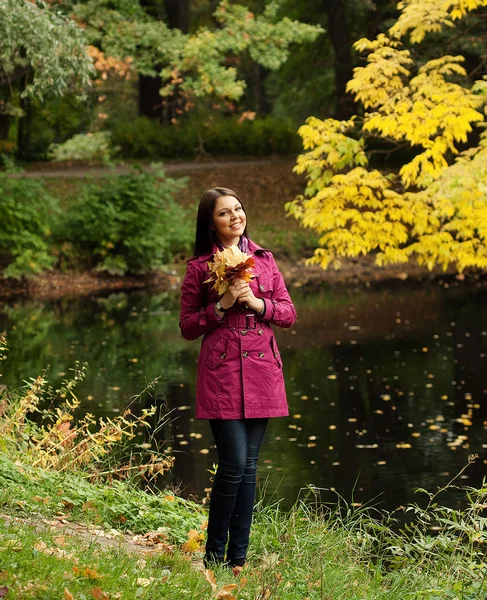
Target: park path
[(49, 170)]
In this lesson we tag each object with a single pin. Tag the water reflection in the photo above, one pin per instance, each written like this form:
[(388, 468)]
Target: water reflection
[(387, 387)]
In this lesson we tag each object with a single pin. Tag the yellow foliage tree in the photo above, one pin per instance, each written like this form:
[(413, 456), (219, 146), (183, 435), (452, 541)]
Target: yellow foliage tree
[(435, 208)]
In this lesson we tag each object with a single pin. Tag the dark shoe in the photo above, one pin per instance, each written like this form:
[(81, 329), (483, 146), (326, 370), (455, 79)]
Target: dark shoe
[(235, 562), (211, 561)]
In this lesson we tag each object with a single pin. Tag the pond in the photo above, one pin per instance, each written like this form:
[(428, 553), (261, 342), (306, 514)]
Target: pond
[(387, 387)]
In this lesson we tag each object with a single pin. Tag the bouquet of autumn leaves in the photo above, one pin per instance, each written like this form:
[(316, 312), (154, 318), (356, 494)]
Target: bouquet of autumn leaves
[(227, 266)]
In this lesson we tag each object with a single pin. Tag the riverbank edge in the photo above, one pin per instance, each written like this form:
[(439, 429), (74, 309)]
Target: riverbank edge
[(56, 284), (56, 522)]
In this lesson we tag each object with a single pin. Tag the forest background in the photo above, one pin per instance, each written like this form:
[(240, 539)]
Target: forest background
[(104, 80)]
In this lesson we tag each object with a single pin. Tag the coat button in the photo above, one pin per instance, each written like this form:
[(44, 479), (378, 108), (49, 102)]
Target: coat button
[(261, 355), (223, 355), (245, 354), (244, 332), (262, 287), (261, 331)]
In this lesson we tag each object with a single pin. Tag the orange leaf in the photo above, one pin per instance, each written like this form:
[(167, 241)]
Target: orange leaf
[(99, 594), (210, 577), (68, 595), (91, 573), (226, 592)]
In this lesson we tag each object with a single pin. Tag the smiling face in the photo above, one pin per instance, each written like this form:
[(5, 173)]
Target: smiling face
[(229, 220)]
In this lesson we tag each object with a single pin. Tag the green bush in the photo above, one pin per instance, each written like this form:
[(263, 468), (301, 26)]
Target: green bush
[(145, 138), (84, 146), (26, 213), (129, 223)]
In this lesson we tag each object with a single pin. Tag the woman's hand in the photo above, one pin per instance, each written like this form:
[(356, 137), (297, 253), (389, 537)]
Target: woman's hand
[(247, 297), (240, 291), (234, 291)]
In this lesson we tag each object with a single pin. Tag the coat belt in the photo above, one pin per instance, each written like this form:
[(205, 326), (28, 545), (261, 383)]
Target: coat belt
[(239, 321)]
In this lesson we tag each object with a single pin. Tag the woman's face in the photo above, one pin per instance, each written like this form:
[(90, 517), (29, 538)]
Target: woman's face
[(229, 220)]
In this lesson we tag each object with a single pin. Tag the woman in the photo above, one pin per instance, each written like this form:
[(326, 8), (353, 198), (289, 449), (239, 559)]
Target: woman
[(240, 382)]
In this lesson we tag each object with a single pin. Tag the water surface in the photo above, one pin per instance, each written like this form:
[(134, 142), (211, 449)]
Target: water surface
[(387, 387)]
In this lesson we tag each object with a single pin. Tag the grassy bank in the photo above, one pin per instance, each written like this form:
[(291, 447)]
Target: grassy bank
[(80, 517), (295, 555)]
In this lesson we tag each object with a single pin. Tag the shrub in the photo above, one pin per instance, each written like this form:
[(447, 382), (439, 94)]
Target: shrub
[(87, 147), (129, 223), (26, 213), (145, 138)]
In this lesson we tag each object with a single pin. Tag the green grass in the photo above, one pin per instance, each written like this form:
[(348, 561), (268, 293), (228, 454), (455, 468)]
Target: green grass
[(49, 517), (53, 566), (303, 553)]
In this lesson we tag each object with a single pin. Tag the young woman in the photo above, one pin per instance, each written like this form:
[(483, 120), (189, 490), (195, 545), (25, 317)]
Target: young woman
[(240, 384)]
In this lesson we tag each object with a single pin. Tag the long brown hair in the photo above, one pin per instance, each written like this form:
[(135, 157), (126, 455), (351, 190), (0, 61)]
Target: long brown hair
[(205, 235)]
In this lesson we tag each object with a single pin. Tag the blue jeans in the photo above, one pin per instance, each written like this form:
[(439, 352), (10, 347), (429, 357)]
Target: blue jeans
[(238, 443)]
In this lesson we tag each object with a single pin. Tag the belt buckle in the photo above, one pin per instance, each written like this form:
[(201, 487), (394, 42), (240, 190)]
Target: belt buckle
[(248, 320)]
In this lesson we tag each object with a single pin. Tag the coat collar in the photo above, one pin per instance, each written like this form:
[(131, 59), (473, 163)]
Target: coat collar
[(253, 248)]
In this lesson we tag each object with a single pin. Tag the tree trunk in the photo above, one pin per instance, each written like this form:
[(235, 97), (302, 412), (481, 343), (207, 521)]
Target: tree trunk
[(177, 14), (261, 102), (4, 118), (342, 46), (150, 101)]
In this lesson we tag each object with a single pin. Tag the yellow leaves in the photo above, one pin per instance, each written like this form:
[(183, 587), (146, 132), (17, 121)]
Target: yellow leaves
[(420, 17), (227, 266), (434, 211), (193, 543)]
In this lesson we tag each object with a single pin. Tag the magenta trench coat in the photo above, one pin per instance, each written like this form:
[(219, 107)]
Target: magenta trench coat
[(239, 365)]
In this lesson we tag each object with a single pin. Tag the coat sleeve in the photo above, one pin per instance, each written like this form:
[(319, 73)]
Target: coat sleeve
[(279, 309), (196, 318)]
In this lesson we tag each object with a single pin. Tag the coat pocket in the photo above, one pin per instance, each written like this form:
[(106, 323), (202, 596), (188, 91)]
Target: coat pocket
[(265, 286), (217, 354), (275, 352)]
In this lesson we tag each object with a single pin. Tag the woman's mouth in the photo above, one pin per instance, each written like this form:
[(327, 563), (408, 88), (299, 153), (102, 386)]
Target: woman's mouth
[(236, 226)]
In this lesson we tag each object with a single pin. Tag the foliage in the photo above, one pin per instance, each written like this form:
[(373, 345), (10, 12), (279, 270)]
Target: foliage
[(41, 45), (194, 64), (59, 441), (142, 138), (129, 223), (86, 147), (26, 211), (435, 208)]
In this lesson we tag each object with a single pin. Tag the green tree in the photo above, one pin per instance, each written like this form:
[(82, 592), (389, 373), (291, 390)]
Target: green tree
[(42, 54)]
